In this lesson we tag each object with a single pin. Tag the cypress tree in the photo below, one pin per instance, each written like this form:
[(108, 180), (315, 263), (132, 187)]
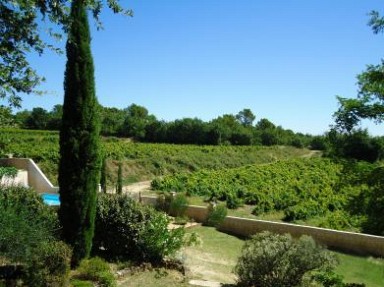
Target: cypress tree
[(79, 167), (119, 186)]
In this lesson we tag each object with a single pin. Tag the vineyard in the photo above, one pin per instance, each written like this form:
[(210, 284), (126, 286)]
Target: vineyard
[(141, 161), (315, 190), (285, 183)]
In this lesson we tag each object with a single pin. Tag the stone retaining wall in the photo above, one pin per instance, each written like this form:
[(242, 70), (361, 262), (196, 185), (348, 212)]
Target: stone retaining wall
[(341, 240)]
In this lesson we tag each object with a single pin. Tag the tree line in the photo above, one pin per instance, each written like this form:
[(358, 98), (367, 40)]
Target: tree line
[(136, 122)]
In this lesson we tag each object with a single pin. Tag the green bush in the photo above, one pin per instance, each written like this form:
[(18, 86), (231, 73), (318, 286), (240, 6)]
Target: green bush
[(96, 270), (232, 201), (24, 216), (216, 214), (48, 265), (172, 204), (127, 230), (163, 202), (27, 237), (303, 211), (178, 205), (331, 279), (10, 172), (273, 260)]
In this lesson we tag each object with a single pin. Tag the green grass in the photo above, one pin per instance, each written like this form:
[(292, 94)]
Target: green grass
[(216, 255), (367, 270), (154, 278)]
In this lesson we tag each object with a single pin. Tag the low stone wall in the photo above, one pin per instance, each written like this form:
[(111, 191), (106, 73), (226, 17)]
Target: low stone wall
[(340, 240), (36, 178)]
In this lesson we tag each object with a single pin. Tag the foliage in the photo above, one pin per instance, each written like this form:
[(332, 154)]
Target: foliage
[(331, 279), (356, 145), (178, 205), (127, 230), (24, 216), (21, 23), (136, 123), (375, 217), (119, 184), (96, 270), (23, 208), (103, 175), (216, 214), (172, 204), (369, 103), (163, 201), (48, 265), (79, 166), (8, 172), (306, 186), (142, 161), (278, 260)]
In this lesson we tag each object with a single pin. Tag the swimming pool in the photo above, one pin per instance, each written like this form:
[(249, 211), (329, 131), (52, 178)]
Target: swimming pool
[(51, 199)]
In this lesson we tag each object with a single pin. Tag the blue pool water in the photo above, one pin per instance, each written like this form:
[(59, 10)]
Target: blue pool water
[(51, 199)]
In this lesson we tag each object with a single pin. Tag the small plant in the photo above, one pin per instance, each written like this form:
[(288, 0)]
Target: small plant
[(331, 279), (96, 270), (178, 205), (7, 173), (216, 214), (163, 201), (175, 204), (278, 260), (233, 201), (48, 265)]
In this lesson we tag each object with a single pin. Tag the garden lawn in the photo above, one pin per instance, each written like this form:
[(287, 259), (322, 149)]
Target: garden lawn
[(367, 270), (215, 257)]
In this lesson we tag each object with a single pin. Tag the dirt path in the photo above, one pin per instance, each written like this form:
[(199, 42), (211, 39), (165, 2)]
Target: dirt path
[(137, 187)]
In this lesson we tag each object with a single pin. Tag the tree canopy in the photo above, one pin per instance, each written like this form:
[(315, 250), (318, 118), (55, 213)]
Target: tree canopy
[(22, 23), (369, 103)]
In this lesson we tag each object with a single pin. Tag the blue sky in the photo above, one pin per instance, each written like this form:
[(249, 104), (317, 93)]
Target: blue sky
[(286, 60)]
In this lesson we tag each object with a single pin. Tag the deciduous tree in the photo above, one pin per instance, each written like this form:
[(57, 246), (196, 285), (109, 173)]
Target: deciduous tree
[(369, 103), (21, 23)]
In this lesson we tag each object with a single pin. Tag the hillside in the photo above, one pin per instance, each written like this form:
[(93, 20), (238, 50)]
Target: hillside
[(142, 161)]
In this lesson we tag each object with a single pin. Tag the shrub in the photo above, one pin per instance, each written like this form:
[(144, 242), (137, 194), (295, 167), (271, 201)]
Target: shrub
[(375, 217), (331, 279), (24, 216), (303, 211), (278, 260), (178, 205), (172, 204), (9, 172), (163, 201), (216, 214), (232, 201), (127, 230), (96, 270), (48, 265)]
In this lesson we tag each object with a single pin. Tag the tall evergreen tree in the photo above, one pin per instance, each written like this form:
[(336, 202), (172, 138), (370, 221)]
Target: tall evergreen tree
[(79, 167), (119, 185)]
